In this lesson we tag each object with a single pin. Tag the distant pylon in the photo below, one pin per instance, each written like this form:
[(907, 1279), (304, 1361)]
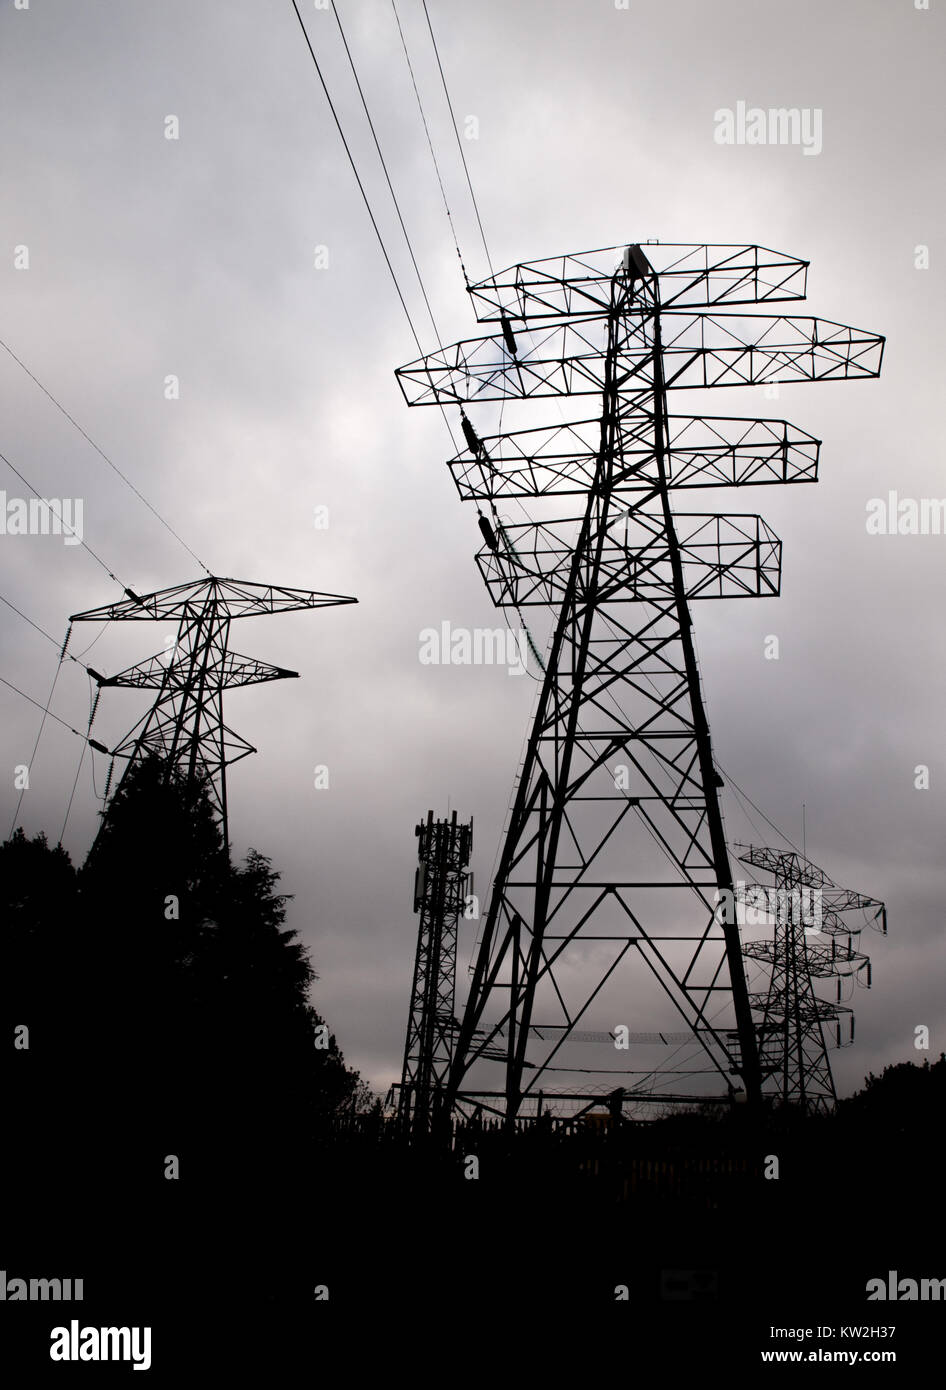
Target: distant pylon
[(602, 912), (440, 885), (185, 725), (813, 938)]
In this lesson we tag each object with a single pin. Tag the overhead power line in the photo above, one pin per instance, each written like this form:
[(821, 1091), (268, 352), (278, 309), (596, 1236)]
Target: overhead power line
[(387, 176), (75, 783), (744, 796), (47, 714), (93, 675), (93, 706), (364, 195), (354, 168), (86, 737), (469, 181), (46, 711), (41, 630), (49, 637), (62, 654), (72, 531), (102, 454), (430, 143)]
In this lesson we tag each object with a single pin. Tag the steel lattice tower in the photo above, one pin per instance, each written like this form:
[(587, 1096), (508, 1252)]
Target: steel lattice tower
[(443, 852), (804, 906), (615, 850), (185, 725)]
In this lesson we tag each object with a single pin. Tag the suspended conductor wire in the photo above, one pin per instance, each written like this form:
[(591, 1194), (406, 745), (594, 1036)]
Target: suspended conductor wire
[(102, 454), (65, 820), (397, 208), (387, 176), (731, 781), (63, 656), (364, 195), (430, 143), (456, 132), (41, 630), (46, 712), (42, 724), (59, 517), (354, 169), (98, 635), (93, 706), (750, 818), (43, 633)]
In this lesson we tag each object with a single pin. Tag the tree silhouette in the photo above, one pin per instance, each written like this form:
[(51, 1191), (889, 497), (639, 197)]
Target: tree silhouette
[(904, 1095), (169, 1014)]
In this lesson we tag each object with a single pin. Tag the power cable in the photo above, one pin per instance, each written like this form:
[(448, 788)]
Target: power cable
[(114, 467), (456, 132), (94, 703), (49, 638), (430, 143), (46, 712), (387, 176), (397, 207), (41, 630), (354, 168), (97, 558)]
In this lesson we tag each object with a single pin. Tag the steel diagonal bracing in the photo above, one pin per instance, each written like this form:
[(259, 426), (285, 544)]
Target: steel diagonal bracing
[(690, 276), (802, 909), (614, 853), (185, 727), (700, 353), (702, 452)]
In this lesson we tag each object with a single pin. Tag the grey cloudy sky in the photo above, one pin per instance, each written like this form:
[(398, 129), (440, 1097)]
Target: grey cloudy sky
[(195, 257)]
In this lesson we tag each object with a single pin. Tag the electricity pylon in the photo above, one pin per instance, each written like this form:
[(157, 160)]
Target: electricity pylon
[(614, 852), (813, 937), (185, 725), (443, 854)]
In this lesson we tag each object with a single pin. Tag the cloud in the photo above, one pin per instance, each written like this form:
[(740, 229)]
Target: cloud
[(195, 257)]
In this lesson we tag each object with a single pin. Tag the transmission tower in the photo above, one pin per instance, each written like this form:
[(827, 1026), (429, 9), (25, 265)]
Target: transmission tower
[(614, 850), (440, 885), (805, 907), (185, 725)]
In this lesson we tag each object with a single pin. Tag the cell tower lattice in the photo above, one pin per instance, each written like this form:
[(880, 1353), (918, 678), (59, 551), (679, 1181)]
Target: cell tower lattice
[(614, 853), (185, 725), (815, 936), (441, 883)]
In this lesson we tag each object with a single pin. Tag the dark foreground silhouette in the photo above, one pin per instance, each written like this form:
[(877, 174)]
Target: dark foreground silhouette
[(182, 1134)]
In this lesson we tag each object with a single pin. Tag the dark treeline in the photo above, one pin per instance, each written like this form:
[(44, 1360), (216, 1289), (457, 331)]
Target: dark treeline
[(781, 1210), (171, 1030), (175, 1083)]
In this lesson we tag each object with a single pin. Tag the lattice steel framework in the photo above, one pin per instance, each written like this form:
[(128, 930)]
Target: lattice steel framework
[(441, 883), (185, 725), (814, 937), (614, 850)]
